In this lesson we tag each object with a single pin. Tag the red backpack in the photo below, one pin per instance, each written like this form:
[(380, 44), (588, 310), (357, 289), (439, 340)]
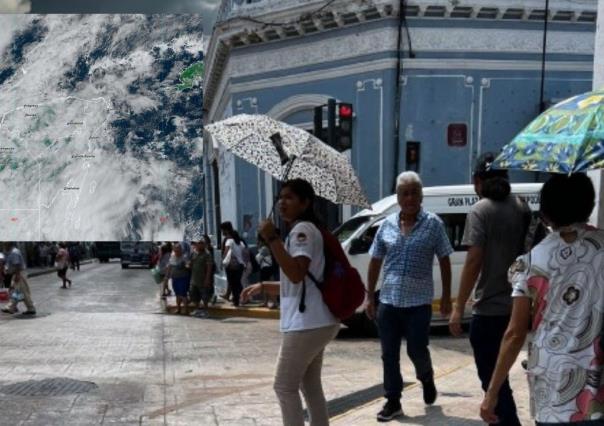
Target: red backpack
[(342, 288)]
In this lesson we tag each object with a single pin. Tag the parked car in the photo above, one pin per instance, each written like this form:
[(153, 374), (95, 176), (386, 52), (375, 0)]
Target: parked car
[(451, 204), (136, 253)]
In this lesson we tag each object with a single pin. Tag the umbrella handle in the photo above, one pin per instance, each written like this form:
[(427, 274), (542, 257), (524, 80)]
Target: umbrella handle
[(288, 168)]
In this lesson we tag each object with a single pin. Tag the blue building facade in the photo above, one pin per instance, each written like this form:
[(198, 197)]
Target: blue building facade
[(470, 78)]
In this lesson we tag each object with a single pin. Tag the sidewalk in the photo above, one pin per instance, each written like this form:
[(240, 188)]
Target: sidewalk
[(43, 270), (458, 403)]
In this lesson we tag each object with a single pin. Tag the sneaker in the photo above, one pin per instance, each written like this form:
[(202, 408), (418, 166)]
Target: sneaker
[(429, 391), (9, 310), (391, 410), (29, 313)]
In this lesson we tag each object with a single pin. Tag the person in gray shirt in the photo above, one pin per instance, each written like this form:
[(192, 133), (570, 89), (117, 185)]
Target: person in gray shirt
[(495, 233)]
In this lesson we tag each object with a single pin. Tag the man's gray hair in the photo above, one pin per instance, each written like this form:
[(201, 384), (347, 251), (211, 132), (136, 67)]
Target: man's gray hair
[(407, 178)]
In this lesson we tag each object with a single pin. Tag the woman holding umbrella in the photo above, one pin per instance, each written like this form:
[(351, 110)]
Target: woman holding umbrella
[(305, 334)]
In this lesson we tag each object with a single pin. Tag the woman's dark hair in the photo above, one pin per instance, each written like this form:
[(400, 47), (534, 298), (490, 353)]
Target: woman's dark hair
[(236, 237), (226, 227), (304, 191), (567, 199), (208, 241), (166, 248), (495, 182)]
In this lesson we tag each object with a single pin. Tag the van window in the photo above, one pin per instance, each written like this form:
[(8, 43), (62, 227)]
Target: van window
[(454, 225), (344, 231)]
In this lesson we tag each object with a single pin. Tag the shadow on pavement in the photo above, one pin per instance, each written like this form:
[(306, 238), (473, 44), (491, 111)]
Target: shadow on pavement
[(345, 403), (435, 416)]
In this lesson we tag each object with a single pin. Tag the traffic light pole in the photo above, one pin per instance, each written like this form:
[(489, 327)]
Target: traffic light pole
[(331, 122)]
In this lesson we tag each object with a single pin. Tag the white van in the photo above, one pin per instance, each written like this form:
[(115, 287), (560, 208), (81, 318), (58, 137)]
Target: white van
[(451, 204)]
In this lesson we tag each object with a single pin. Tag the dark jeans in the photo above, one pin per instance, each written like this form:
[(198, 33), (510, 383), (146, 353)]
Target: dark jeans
[(581, 423), (7, 280), (486, 333), (234, 279), (414, 325), (266, 274)]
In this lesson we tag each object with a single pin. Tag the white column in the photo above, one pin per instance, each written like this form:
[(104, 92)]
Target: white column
[(599, 51), (597, 218)]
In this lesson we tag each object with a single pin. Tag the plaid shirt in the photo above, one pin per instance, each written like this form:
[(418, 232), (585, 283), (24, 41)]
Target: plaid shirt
[(407, 274)]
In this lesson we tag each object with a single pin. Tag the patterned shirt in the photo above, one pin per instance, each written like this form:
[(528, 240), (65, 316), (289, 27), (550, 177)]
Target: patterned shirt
[(408, 259), (565, 284)]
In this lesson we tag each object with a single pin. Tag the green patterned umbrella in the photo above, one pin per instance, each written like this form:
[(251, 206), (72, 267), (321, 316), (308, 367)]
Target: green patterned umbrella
[(567, 138)]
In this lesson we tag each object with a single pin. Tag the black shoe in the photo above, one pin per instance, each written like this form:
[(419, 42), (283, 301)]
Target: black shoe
[(29, 313), (429, 391), (391, 410)]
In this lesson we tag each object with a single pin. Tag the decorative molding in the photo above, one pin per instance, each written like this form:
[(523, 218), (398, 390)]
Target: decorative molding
[(296, 103), (382, 40)]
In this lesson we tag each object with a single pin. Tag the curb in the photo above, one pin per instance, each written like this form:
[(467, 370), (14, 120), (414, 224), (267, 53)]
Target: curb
[(228, 311), (53, 270)]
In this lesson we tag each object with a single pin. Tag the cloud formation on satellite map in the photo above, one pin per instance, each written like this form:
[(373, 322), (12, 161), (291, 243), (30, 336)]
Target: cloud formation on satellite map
[(100, 126)]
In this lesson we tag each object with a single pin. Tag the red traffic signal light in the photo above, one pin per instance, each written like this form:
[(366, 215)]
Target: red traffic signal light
[(345, 111)]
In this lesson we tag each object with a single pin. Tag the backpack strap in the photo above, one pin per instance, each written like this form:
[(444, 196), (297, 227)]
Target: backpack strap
[(314, 280), (302, 305)]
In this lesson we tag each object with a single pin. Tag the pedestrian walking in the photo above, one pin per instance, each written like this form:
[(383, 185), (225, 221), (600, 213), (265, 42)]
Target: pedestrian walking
[(180, 274), (62, 265), (44, 254), (164, 261), (233, 262), (248, 268), (2, 268), (558, 288), (305, 332), (19, 287), (74, 256), (202, 288), (210, 250), (406, 244), (14, 262), (264, 259), (495, 234)]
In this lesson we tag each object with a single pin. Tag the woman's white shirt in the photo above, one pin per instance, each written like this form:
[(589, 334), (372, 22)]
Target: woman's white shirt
[(305, 240), (236, 250)]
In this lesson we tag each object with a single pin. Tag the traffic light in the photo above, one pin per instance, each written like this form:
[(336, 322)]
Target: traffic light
[(339, 124), (345, 113)]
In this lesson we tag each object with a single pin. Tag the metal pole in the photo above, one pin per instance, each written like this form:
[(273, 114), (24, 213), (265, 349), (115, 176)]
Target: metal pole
[(397, 93), (543, 52)]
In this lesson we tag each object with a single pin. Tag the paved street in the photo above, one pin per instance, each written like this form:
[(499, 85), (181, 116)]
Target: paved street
[(133, 364)]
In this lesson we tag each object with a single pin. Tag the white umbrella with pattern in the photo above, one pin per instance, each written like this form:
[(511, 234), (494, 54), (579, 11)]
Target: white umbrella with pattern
[(288, 152)]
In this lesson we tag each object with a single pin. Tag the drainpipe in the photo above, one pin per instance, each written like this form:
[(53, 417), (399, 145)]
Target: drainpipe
[(543, 52), (397, 92)]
